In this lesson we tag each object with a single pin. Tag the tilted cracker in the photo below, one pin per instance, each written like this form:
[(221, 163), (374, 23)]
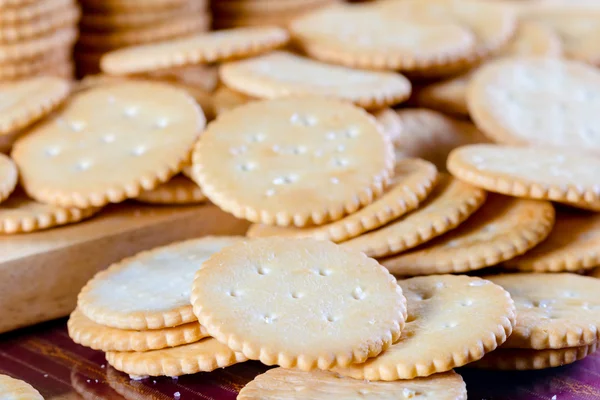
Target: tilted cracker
[(9, 176), (298, 303), (28, 10), (19, 214), (226, 99), (412, 182), (531, 172), (573, 245), (86, 145), (20, 70), (282, 74), (150, 290), (503, 228), (296, 161), (450, 96), (539, 101), (431, 135), (525, 360), (290, 384), (35, 47), (452, 321), (389, 121), (178, 190), (554, 310), (450, 203), (39, 27), (203, 356), (87, 333), (197, 49), (31, 99), (15, 389)]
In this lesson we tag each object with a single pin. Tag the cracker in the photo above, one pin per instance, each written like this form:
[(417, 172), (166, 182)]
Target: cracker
[(540, 101), (203, 356), (259, 8), (532, 172), (27, 11), (524, 360), (31, 99), (431, 135), (87, 333), (226, 99), (390, 123), (452, 321), (133, 5), (282, 74), (100, 130), (8, 177), (573, 245), (450, 96), (555, 310), (503, 228), (150, 290), (289, 384), (178, 190), (413, 181), (35, 47), (296, 161), (23, 69), (197, 49), (15, 389), (39, 27), (299, 303), (20, 214), (450, 203)]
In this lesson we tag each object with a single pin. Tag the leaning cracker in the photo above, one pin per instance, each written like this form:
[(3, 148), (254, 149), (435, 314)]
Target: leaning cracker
[(85, 146), (282, 74), (503, 228), (573, 245), (203, 356), (14, 389), (450, 203), (295, 161), (413, 181), (86, 332), (8, 177), (554, 310), (178, 190), (525, 360), (150, 290), (19, 214), (31, 99), (539, 101), (198, 49), (290, 384), (531, 172), (452, 321), (298, 303)]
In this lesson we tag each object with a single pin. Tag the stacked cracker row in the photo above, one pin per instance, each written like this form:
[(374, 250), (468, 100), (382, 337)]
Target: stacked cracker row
[(36, 38), (110, 25)]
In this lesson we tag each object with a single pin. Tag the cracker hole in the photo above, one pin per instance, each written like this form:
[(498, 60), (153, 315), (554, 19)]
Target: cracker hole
[(542, 304), (257, 138), (52, 151), (450, 324), (297, 150), (340, 148), (409, 393), (335, 180), (138, 151), (303, 120), (466, 303), (330, 136), (238, 150), (232, 293), (296, 295), (323, 272), (270, 192), (76, 126), (269, 318), (249, 166), (131, 111), (363, 392), (162, 123), (478, 282), (109, 138), (340, 162), (352, 132), (83, 165), (263, 270), (285, 180), (330, 318), (358, 293)]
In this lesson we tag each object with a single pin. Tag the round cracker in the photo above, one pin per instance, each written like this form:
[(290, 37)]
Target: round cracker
[(23, 69), (282, 74), (539, 101), (39, 27), (197, 49), (87, 145), (203, 356), (19, 214), (296, 161), (15, 14), (450, 203), (35, 47), (573, 245), (87, 333), (30, 100), (537, 173), (150, 290), (525, 360), (413, 181), (452, 321), (390, 123), (15, 389), (299, 303), (503, 228), (9, 175), (289, 384), (178, 190), (555, 310)]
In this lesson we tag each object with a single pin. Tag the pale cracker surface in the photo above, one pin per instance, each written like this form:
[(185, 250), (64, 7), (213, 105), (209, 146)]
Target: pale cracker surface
[(14, 389)]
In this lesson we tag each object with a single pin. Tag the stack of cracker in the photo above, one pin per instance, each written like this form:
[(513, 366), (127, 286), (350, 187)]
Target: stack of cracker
[(110, 25), (237, 13), (36, 38)]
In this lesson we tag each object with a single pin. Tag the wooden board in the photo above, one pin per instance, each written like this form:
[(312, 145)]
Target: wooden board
[(41, 273)]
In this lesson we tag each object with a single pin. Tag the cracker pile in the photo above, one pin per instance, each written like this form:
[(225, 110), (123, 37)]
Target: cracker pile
[(400, 148)]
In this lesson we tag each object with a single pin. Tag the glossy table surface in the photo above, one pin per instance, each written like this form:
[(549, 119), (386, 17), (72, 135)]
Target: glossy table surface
[(46, 357)]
